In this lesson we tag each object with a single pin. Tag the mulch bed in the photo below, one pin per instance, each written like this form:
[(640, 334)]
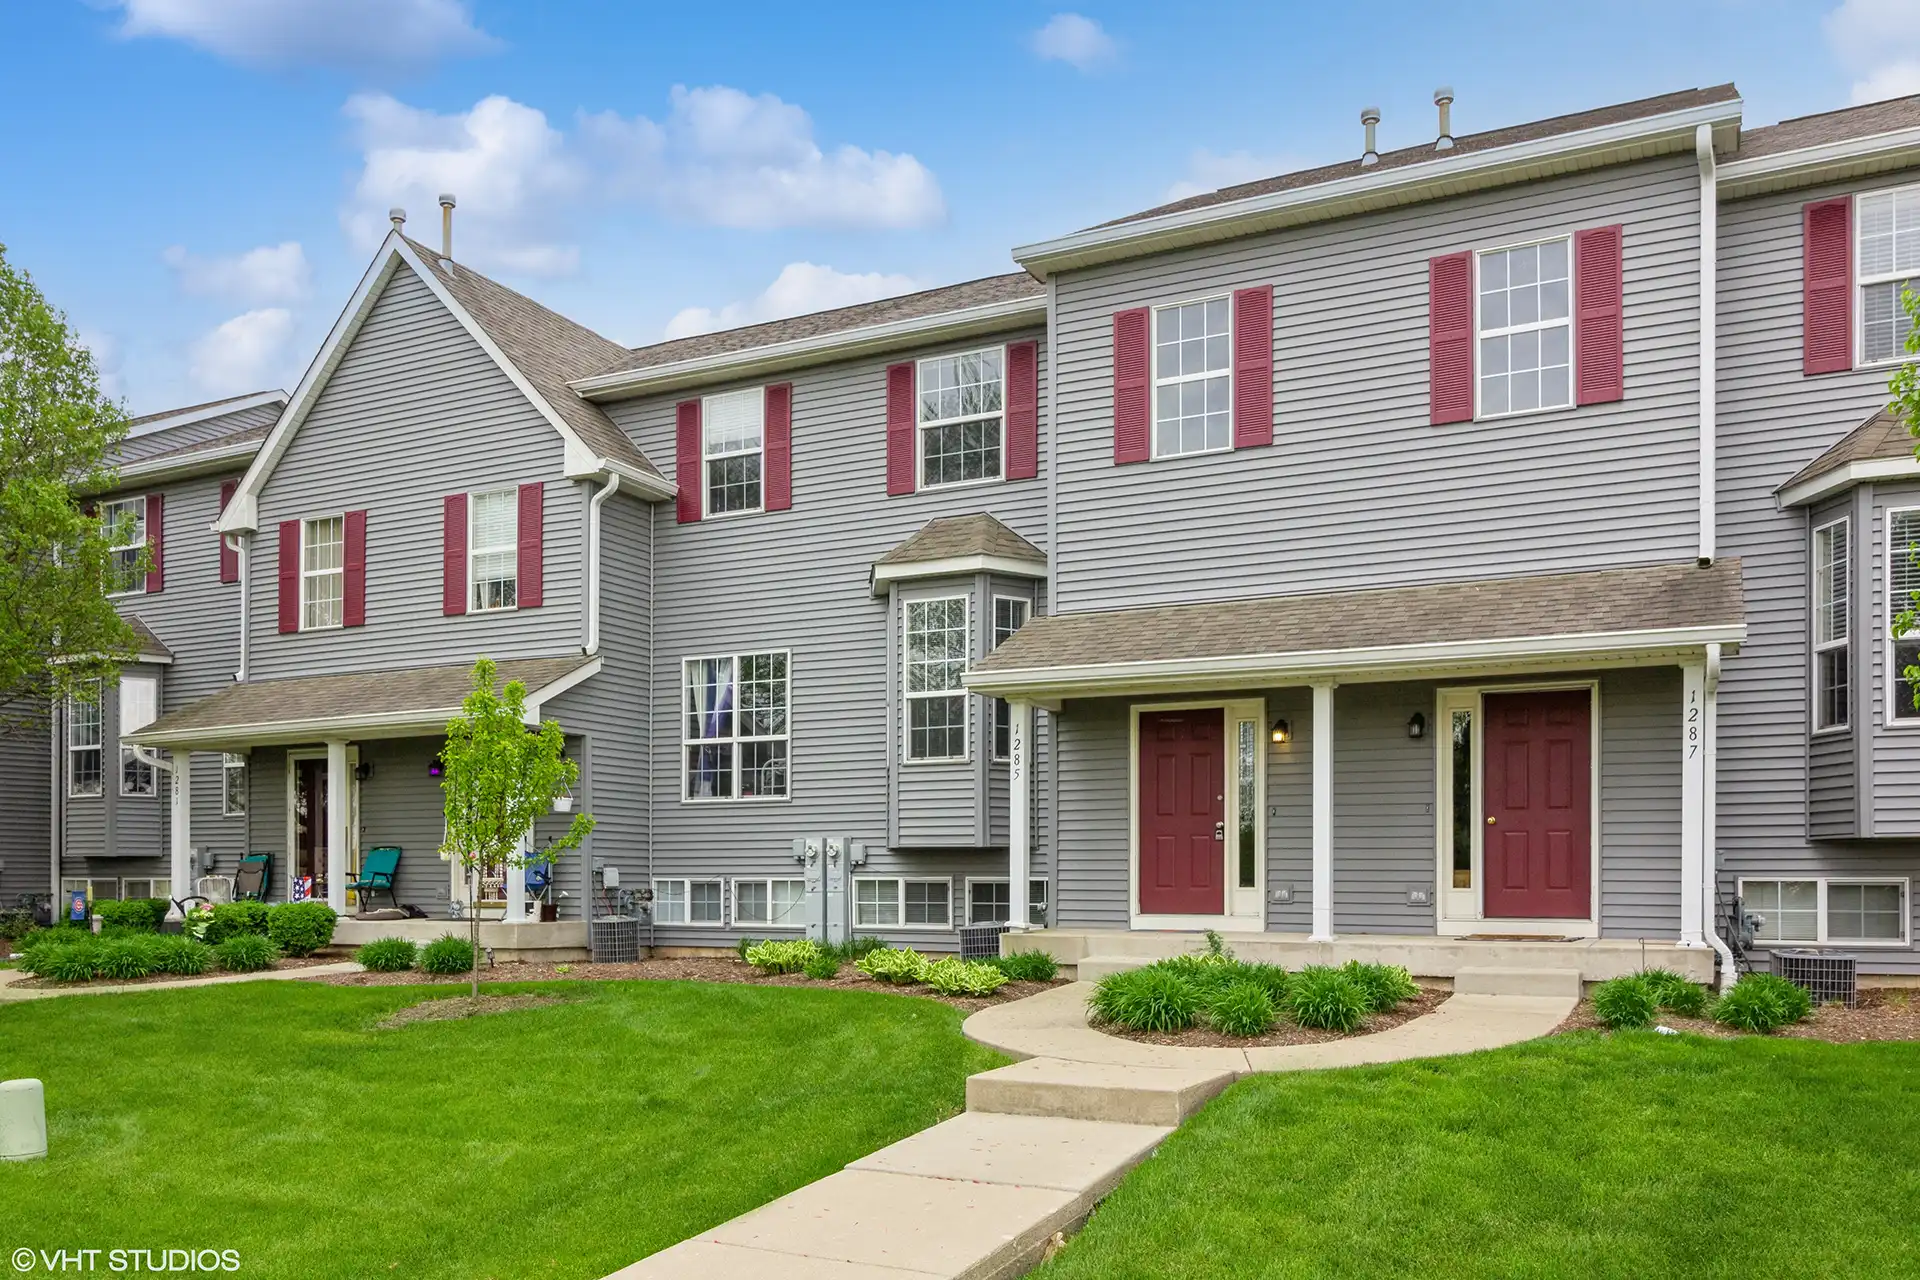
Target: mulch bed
[(686, 969), (1884, 1013), (1429, 999), (454, 1007), (31, 984)]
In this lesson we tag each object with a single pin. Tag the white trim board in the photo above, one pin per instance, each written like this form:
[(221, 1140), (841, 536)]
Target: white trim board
[(885, 575), (1828, 161), (1831, 482)]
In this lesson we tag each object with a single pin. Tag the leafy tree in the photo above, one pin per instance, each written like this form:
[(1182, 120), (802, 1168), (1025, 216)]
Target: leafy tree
[(498, 775), (59, 633)]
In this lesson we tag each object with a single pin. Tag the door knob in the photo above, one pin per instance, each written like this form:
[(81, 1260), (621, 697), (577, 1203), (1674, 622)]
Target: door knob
[(1489, 819), (1219, 831)]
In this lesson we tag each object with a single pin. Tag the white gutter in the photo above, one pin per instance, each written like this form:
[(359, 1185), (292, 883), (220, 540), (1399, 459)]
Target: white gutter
[(177, 466), (1877, 152), (799, 351), (1846, 477), (1709, 343), (1710, 926), (591, 641), (241, 545)]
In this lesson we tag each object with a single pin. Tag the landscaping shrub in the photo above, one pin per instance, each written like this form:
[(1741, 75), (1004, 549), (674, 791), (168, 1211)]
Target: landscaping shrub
[(59, 935), (231, 919), (68, 962), (246, 953), (1625, 1002), (447, 954), (1326, 998), (891, 964), (182, 956), (388, 955), (134, 913), (1156, 998), (1027, 966), (1271, 978), (745, 945), (1761, 1002), (1674, 993), (1242, 1008), (952, 976), (127, 957), (1385, 985), (853, 948), (824, 967), (790, 956), (15, 924), (301, 928), (1794, 998)]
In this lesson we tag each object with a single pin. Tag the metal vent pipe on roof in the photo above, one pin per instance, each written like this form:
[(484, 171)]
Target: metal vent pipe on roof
[(1370, 117), (446, 225), (1443, 99), (397, 216)]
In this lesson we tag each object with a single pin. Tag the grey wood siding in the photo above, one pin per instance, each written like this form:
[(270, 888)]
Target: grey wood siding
[(1773, 421), (1383, 790), (1890, 764), (1290, 811), (1357, 489), (1640, 763), (415, 411), (799, 580), (1092, 842), (25, 812)]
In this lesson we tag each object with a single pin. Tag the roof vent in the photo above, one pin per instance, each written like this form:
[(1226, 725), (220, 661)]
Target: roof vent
[(397, 216), (1443, 99), (1370, 117), (446, 225)]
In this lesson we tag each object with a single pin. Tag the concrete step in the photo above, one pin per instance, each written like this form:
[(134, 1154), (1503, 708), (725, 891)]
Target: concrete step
[(1094, 968), (1081, 1156), (1096, 1091), (1490, 981)]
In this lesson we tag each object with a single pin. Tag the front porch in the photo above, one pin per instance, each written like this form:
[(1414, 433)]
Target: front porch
[(540, 942)]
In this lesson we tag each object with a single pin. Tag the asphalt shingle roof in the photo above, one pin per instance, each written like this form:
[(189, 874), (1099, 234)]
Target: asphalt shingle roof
[(1884, 435), (951, 537), (1829, 126)]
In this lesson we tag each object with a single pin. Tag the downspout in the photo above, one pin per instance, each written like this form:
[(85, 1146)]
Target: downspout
[(591, 607), (653, 532), (241, 546), (1709, 861), (1709, 287), (57, 801)]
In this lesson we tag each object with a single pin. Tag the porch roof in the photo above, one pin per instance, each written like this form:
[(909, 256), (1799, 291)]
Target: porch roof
[(1642, 615), (359, 705)]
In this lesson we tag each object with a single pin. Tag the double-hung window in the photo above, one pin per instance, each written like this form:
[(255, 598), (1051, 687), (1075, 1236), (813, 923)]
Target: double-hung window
[(960, 418), (85, 767), (139, 704), (1831, 695), (936, 660), (125, 522), (1192, 377), (1903, 581), (736, 726), (775, 903), (1009, 615), (1889, 260), (233, 785), (322, 572), (991, 902), (1828, 912), (908, 904), (1526, 328), (689, 902), (493, 551), (732, 445)]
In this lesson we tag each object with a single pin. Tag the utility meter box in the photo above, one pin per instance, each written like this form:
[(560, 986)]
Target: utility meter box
[(808, 852), (839, 916)]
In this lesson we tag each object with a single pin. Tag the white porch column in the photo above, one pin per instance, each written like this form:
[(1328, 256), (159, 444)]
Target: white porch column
[(1323, 812), (180, 861), (339, 802), (1695, 747), (1019, 810), (516, 911)]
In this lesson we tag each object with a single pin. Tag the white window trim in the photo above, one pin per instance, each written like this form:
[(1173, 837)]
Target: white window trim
[(907, 699), (1820, 912), (993, 628), (139, 502), (689, 882), (475, 550), (126, 748), (1154, 379), (900, 903), (733, 903), (1033, 899), (306, 526), (98, 745), (230, 762), (920, 428), (1891, 679), (736, 740), (1814, 647), (1573, 348), (1860, 282), (706, 488)]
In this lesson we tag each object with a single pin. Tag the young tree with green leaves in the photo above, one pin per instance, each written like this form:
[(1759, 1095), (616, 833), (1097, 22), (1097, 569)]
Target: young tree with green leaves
[(59, 633), (499, 774), (1904, 393)]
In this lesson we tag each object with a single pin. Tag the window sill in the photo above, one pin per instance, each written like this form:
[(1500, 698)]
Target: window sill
[(1831, 730), (732, 515), (505, 608), (981, 483), (909, 928), (1511, 414), (1190, 453), (1833, 944), (699, 801), (936, 761)]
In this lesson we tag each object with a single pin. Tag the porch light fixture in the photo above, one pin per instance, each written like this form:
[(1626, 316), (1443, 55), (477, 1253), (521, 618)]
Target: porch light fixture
[(1417, 725), (436, 767), (363, 770), (1282, 733)]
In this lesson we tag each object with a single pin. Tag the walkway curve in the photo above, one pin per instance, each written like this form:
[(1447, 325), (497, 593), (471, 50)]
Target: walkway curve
[(8, 994)]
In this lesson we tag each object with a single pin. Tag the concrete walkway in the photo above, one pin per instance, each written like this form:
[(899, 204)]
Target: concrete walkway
[(11, 976), (981, 1196)]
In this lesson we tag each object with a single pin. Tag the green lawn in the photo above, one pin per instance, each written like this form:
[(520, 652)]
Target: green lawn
[(1635, 1156), (567, 1141)]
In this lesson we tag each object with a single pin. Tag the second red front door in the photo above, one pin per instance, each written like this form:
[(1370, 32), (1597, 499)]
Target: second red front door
[(1537, 791), (1183, 810)]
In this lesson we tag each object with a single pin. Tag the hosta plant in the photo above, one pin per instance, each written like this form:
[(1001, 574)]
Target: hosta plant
[(952, 976), (891, 964)]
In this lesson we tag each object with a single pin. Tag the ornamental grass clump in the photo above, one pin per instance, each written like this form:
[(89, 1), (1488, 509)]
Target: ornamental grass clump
[(1674, 993), (126, 958), (952, 976), (1624, 1003), (246, 953), (182, 956), (388, 955), (790, 956), (447, 954), (1027, 966), (65, 962), (891, 964), (1242, 1008), (824, 967), (1327, 999), (1156, 998), (1386, 985), (1762, 1002)]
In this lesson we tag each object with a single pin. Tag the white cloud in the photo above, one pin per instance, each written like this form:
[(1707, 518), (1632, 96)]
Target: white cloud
[(800, 287), (1211, 170), (244, 354), (1878, 43), (1075, 39), (108, 361), (350, 34), (270, 273)]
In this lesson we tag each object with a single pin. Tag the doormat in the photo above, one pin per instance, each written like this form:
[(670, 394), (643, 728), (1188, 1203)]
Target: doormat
[(1515, 937)]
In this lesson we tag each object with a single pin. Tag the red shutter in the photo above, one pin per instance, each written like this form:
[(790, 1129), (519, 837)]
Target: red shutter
[(1450, 338), (778, 434), (530, 547), (289, 576), (353, 595), (1253, 366), (157, 542), (686, 463), (1826, 289), (1598, 356), (1132, 371), (1023, 410), (229, 558), (453, 555), (900, 447)]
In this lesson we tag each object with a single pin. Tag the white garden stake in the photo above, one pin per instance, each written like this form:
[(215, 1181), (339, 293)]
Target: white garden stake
[(23, 1120)]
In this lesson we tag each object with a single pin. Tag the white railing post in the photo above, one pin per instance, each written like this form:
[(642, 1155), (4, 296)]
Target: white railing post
[(1019, 811)]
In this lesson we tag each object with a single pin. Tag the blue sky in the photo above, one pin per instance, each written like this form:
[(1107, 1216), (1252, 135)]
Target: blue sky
[(198, 183)]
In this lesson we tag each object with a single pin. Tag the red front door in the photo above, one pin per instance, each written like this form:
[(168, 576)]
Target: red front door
[(1183, 810), (1537, 786)]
